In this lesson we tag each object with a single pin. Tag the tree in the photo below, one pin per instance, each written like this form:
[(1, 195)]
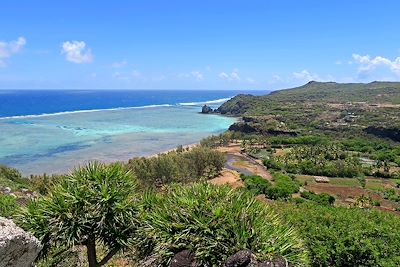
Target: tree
[(95, 205)]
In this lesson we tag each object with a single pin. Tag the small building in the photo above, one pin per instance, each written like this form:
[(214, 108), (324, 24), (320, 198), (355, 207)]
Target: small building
[(321, 179)]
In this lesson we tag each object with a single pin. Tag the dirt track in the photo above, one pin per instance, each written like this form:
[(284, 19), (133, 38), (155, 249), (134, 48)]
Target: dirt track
[(236, 164)]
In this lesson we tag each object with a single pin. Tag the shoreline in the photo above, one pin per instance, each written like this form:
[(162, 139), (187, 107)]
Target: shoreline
[(123, 148), (184, 147)]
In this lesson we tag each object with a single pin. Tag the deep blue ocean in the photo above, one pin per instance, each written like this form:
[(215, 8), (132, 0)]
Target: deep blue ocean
[(35, 102), (55, 131)]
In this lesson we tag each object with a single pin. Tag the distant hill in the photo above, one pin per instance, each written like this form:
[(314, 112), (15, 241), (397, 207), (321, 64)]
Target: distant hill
[(324, 106), (375, 92)]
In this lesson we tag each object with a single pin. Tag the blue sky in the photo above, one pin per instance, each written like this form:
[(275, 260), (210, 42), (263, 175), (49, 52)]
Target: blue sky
[(196, 44)]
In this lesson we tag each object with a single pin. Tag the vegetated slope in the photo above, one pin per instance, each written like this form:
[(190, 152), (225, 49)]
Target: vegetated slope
[(372, 108), (316, 92)]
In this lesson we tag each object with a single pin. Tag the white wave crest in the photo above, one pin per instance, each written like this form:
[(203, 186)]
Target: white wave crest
[(211, 102), (81, 111)]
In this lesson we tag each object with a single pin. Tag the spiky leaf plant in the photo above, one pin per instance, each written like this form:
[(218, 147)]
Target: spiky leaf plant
[(94, 205), (214, 222)]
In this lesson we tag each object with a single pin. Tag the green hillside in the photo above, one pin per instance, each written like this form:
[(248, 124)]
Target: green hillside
[(372, 108)]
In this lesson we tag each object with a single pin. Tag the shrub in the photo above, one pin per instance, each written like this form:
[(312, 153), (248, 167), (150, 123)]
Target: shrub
[(255, 184), (376, 203), (187, 166), (391, 195), (323, 198), (10, 177), (8, 206), (43, 184), (338, 236), (283, 188), (95, 205), (362, 181), (214, 222)]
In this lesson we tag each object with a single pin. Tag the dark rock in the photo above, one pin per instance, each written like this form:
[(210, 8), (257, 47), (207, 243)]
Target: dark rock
[(243, 128), (206, 109), (250, 128), (185, 258), (239, 259), (392, 133)]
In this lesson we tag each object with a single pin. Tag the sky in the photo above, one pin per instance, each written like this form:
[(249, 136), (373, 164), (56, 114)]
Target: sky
[(207, 44)]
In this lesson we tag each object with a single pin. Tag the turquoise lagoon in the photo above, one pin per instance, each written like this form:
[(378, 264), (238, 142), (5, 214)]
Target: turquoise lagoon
[(57, 143)]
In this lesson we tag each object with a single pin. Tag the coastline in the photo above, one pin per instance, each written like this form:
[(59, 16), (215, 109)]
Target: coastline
[(85, 138), (184, 147)]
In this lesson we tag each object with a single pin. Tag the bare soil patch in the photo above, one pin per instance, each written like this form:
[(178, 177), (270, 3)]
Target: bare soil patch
[(229, 177)]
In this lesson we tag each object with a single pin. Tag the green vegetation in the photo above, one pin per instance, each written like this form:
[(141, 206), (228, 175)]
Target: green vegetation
[(391, 194), (215, 222), (323, 198), (337, 110), (12, 178), (95, 205), (327, 160), (184, 167), (256, 184), (283, 187), (327, 129), (43, 184), (8, 206), (345, 236)]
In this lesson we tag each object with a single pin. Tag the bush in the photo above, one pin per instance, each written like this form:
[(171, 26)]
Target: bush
[(376, 203), (184, 167), (214, 222), (391, 195), (10, 177), (362, 181), (323, 198), (283, 188), (255, 184), (43, 184), (8, 206), (95, 205), (338, 236)]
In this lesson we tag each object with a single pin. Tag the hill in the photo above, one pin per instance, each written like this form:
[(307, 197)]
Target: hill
[(359, 108)]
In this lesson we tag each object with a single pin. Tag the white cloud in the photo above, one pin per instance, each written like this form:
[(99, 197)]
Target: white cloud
[(368, 64), (119, 64), (7, 49), (223, 76), (197, 75), (306, 76), (233, 76), (76, 52)]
